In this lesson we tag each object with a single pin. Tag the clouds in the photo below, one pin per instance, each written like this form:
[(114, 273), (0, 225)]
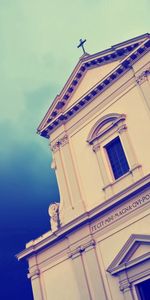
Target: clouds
[(38, 50), (39, 38)]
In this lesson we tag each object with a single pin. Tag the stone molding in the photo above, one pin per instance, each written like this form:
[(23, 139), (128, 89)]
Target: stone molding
[(122, 128), (125, 287), (143, 76), (96, 147), (99, 129)]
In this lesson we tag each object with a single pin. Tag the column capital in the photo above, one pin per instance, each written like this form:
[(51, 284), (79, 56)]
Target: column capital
[(64, 140), (59, 143), (143, 76), (34, 274), (84, 247), (55, 147)]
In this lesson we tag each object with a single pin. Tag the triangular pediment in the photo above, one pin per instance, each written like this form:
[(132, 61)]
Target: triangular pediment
[(91, 75), (137, 248), (90, 79)]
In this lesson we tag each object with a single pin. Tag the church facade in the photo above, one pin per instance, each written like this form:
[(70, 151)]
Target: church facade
[(99, 133)]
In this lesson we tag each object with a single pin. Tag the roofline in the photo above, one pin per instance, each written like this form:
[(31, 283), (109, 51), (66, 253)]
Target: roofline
[(96, 90), (78, 72)]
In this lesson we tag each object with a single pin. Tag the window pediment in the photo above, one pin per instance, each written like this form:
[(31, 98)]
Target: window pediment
[(135, 250), (104, 125)]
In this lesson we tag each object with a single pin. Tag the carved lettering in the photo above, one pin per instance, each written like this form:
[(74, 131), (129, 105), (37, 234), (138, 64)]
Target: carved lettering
[(120, 212)]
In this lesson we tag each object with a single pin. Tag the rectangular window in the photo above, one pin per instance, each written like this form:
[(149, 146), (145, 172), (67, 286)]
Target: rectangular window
[(117, 158)]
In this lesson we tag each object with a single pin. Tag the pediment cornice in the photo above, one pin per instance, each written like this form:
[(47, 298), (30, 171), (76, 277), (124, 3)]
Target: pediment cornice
[(127, 52), (124, 260)]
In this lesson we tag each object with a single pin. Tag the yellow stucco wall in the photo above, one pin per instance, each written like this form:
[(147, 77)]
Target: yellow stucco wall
[(124, 97)]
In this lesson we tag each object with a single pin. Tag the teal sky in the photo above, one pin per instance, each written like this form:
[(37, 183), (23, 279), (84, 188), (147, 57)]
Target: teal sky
[(38, 50)]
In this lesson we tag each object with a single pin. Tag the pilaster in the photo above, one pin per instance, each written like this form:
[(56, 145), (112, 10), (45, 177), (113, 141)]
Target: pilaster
[(61, 178), (36, 283), (143, 81), (102, 168), (80, 273), (71, 176), (135, 168), (71, 204), (94, 276)]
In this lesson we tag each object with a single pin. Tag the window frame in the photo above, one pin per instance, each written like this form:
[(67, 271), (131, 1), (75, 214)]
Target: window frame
[(104, 131), (135, 288), (109, 159)]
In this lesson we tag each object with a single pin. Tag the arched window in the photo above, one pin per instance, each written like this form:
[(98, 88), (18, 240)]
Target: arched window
[(105, 125), (111, 143)]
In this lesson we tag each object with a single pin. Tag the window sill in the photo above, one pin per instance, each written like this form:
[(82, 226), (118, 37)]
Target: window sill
[(133, 174)]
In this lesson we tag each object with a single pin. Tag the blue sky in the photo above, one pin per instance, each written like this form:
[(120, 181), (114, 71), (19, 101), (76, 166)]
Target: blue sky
[(38, 52)]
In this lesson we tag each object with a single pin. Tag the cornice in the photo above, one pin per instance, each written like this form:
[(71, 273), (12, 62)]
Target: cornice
[(50, 238), (121, 262), (60, 118)]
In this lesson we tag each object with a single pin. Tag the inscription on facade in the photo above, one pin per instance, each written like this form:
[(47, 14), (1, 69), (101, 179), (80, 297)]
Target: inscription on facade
[(120, 212)]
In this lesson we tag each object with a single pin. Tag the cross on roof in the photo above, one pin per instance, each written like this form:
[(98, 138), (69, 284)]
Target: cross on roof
[(81, 44)]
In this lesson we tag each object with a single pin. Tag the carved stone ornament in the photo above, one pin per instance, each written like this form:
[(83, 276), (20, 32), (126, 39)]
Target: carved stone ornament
[(60, 143), (64, 140), (55, 147), (143, 76), (53, 211), (96, 147)]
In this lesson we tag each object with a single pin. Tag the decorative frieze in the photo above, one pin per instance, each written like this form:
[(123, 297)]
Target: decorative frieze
[(143, 76)]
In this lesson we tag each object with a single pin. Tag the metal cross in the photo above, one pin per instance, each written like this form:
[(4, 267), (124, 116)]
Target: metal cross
[(81, 44)]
